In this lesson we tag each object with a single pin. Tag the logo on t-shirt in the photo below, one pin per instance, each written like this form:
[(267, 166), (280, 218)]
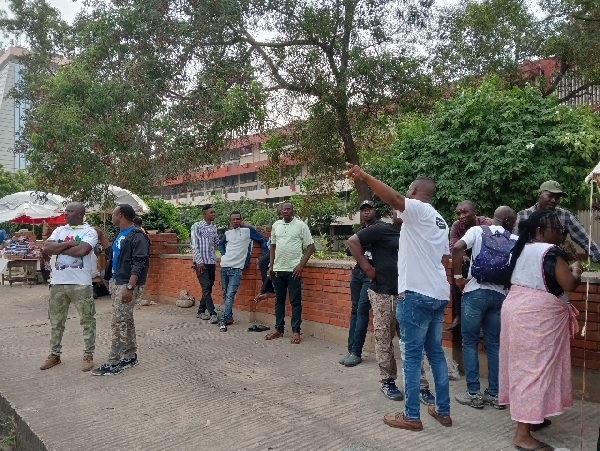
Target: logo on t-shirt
[(440, 223), (66, 261)]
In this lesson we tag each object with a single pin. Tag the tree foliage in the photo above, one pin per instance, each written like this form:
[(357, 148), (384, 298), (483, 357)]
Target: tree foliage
[(223, 207), (156, 89), (495, 147), (318, 211), (164, 216), (476, 38), (11, 183)]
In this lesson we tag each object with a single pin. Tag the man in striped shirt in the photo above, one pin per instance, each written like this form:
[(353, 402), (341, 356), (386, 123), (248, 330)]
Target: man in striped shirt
[(204, 240), (548, 199)]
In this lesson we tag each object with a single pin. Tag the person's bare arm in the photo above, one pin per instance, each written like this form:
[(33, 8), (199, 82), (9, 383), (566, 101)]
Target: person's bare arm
[(55, 248), (307, 253), (80, 250), (458, 252), (358, 253), (568, 277), (271, 259), (386, 193)]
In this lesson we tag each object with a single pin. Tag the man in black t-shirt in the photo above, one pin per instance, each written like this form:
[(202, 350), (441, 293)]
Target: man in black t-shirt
[(383, 290), (359, 284)]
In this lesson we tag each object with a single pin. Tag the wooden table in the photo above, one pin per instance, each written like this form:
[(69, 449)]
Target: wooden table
[(28, 266)]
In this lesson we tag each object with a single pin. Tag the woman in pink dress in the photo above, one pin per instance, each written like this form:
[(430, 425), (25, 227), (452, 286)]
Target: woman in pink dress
[(536, 321)]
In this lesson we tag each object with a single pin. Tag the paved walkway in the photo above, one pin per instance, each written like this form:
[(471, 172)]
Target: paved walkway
[(197, 388)]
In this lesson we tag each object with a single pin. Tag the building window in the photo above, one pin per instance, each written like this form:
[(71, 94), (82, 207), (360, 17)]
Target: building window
[(21, 108), (246, 151), (248, 177)]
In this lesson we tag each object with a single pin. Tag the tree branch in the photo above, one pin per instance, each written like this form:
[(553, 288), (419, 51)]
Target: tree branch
[(310, 90), (587, 19), (564, 67), (576, 92)]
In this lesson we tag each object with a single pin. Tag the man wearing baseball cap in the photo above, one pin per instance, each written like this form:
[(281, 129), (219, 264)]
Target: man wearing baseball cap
[(548, 199), (359, 284)]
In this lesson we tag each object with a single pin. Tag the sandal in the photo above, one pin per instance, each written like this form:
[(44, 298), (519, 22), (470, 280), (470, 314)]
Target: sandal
[(296, 339), (540, 447), (273, 335)]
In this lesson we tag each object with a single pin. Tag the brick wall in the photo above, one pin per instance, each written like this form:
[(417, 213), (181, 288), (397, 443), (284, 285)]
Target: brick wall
[(326, 294)]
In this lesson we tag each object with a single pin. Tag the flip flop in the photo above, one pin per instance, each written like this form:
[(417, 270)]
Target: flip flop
[(540, 447)]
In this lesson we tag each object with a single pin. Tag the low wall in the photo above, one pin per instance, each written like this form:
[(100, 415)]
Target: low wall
[(326, 303)]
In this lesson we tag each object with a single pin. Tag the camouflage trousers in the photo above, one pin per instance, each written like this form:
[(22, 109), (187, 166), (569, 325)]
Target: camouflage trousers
[(61, 297), (386, 327), (123, 345)]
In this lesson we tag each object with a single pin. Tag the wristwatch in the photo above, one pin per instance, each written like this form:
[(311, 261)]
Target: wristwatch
[(458, 276), (130, 287)]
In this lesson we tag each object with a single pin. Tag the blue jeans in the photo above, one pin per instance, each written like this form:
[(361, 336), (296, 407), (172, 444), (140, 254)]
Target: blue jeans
[(359, 316), (420, 319), (481, 309), (230, 281)]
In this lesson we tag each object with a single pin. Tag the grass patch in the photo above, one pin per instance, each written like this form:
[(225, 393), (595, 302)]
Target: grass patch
[(8, 429)]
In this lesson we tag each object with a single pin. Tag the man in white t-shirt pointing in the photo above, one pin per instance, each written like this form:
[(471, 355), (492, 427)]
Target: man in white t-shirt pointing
[(422, 281), (71, 282), (481, 305)]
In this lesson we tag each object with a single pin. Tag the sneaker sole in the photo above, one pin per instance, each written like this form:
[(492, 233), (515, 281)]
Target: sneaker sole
[(495, 406), (475, 406), (129, 366), (426, 403), (106, 374)]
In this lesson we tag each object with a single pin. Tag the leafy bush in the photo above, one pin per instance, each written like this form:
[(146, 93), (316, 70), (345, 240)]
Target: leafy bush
[(495, 147)]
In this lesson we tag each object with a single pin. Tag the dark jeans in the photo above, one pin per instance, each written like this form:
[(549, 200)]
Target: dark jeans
[(481, 309), (263, 265), (282, 282), (207, 280), (456, 296), (359, 316)]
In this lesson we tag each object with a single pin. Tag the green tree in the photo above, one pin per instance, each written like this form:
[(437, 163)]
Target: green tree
[(11, 183), (138, 102), (223, 207), (319, 212), (163, 216), (473, 38), (164, 86), (495, 147)]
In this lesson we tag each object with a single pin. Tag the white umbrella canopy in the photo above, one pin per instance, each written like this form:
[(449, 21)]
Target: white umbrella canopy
[(51, 201), (120, 196), (27, 213)]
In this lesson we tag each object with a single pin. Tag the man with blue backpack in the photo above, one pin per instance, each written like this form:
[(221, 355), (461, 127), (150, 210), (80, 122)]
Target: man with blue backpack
[(482, 300)]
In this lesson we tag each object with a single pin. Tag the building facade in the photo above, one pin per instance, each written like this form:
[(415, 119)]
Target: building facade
[(12, 113)]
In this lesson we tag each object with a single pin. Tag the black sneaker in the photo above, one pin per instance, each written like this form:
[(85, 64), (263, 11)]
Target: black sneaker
[(427, 397), (390, 390), (107, 369), (128, 363)]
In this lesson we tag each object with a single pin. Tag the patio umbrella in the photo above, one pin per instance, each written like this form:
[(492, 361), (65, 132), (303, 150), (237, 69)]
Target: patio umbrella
[(121, 196), (51, 201), (28, 213)]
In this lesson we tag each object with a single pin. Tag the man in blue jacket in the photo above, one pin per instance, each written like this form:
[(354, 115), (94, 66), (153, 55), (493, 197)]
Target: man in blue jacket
[(128, 268), (235, 247)]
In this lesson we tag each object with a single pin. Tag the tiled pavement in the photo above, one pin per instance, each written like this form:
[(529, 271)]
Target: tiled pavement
[(199, 389)]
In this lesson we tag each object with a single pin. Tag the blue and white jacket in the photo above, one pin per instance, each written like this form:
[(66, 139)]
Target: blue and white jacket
[(236, 246)]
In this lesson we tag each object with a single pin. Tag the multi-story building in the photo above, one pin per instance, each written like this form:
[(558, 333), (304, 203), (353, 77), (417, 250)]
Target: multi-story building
[(12, 113), (237, 177)]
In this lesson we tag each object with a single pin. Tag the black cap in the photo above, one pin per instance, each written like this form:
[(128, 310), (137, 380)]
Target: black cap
[(368, 203)]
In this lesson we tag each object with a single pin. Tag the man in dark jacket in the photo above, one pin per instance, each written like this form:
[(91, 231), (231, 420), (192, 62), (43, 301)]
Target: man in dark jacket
[(129, 269)]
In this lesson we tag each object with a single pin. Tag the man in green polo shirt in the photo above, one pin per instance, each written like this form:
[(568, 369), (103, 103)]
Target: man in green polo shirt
[(288, 237)]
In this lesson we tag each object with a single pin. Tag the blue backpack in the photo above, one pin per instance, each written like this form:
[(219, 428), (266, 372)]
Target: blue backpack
[(491, 265)]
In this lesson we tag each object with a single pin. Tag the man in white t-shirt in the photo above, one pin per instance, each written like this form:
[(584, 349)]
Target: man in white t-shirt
[(481, 305), (426, 292), (71, 281)]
